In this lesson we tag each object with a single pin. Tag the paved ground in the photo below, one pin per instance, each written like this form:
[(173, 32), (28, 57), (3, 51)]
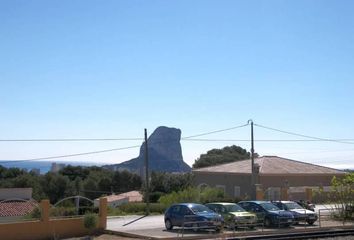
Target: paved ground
[(153, 226)]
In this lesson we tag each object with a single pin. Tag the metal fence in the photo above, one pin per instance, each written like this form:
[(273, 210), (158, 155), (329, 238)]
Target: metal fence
[(326, 217)]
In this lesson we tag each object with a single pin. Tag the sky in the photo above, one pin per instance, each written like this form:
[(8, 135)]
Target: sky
[(110, 69)]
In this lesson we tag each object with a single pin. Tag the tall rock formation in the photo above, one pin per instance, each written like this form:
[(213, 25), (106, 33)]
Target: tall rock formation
[(164, 151)]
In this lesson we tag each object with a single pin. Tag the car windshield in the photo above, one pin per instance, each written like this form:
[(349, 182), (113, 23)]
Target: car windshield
[(234, 208), (269, 207), (200, 209), (293, 205)]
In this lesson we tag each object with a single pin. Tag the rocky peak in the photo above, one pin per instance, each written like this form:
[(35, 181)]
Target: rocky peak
[(165, 153)]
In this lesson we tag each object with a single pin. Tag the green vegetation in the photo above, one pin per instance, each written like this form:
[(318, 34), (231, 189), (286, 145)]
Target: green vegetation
[(343, 195), (136, 208), (192, 194), (90, 222), (224, 155), (164, 183), (91, 182), (189, 194)]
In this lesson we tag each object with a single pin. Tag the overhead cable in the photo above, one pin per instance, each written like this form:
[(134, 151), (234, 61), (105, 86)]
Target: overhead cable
[(261, 140), (71, 155), (217, 131), (302, 135), (70, 139)]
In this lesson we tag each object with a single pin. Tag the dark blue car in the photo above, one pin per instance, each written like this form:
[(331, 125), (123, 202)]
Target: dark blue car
[(192, 215), (268, 214)]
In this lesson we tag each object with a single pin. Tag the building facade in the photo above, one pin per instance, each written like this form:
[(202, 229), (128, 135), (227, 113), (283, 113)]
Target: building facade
[(273, 174)]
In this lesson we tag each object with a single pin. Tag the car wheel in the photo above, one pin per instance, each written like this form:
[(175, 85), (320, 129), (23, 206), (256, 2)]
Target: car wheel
[(267, 222), (195, 227), (310, 222), (232, 226), (168, 224)]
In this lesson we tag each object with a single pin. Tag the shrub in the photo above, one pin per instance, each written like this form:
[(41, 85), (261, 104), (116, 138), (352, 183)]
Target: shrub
[(193, 194), (62, 211), (136, 208), (35, 214), (90, 221)]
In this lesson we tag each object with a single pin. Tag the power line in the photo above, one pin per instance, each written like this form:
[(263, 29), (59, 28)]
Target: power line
[(314, 151), (302, 135), (261, 140), (109, 139), (71, 155), (70, 139), (217, 131), (95, 139)]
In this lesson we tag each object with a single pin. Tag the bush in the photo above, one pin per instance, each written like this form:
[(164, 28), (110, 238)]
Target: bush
[(90, 221), (62, 211), (136, 208), (155, 196), (35, 214), (193, 194)]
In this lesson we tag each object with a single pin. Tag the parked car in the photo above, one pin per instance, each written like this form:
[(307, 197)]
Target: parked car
[(234, 215), (192, 215), (306, 204), (300, 214), (268, 214)]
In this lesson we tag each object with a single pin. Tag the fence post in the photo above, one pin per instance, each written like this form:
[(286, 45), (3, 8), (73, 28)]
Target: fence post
[(45, 208), (102, 213)]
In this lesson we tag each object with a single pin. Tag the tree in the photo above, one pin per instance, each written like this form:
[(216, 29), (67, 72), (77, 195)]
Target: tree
[(220, 156), (72, 172), (343, 194), (57, 187), (162, 183)]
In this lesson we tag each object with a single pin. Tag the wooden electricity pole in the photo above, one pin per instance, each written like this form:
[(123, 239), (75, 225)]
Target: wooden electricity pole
[(147, 190), (253, 179)]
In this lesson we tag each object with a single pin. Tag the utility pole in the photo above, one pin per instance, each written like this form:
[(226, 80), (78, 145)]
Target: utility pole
[(147, 195), (253, 182)]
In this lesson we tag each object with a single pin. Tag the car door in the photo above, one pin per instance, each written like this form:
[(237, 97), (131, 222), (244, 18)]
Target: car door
[(175, 215), (187, 216), (259, 211)]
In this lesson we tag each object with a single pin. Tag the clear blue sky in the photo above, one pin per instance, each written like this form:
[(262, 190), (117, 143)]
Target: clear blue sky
[(109, 69)]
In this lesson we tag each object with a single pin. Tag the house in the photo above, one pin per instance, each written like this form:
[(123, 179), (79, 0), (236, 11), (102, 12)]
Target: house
[(119, 199), (272, 174), (15, 203), (15, 193)]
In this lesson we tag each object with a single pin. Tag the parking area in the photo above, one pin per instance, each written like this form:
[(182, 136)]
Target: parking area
[(152, 227)]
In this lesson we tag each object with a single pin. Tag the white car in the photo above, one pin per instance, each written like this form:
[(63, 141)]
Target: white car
[(300, 214)]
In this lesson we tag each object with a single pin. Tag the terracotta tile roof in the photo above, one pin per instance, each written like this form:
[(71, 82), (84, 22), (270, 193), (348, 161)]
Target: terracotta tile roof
[(271, 165), (16, 208)]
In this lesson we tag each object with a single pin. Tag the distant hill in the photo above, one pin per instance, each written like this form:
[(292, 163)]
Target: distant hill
[(164, 151)]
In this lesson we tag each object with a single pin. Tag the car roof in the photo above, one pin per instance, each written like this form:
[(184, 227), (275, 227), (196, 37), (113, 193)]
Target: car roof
[(187, 204), (222, 203), (283, 201), (257, 202)]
